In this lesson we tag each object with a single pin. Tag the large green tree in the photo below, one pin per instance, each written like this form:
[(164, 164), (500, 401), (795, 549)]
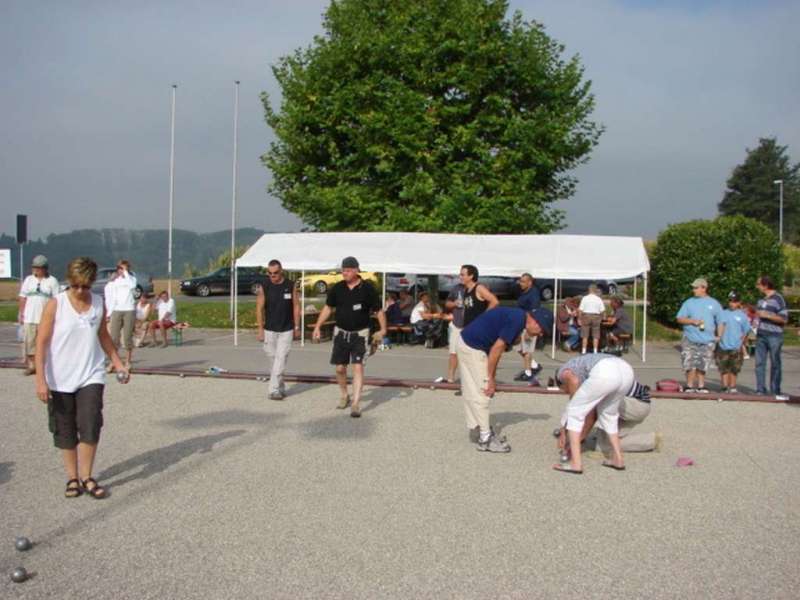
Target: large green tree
[(751, 191), (429, 115)]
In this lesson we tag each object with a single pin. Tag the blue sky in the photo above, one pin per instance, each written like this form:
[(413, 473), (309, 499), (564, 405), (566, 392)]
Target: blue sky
[(682, 89)]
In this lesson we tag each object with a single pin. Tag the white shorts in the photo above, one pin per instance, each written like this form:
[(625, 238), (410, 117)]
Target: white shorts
[(604, 389), (453, 335)]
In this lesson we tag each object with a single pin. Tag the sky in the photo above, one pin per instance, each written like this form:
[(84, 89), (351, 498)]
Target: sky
[(682, 88)]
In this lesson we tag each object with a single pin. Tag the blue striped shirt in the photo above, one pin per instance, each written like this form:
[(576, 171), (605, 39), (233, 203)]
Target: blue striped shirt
[(776, 305)]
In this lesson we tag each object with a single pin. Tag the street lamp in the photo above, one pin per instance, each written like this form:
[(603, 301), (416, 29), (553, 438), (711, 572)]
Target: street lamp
[(779, 183)]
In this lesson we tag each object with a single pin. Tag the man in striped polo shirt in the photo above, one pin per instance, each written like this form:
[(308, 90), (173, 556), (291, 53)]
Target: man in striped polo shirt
[(772, 317)]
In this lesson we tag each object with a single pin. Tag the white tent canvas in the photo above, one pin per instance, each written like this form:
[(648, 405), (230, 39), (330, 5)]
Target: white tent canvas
[(544, 256)]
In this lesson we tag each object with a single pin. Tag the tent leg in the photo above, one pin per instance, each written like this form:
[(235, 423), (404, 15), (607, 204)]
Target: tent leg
[(644, 321), (633, 337), (384, 289), (555, 311), (302, 308), (235, 304)]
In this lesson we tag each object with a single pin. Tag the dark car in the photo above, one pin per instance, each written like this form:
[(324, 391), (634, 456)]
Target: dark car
[(219, 282), (574, 287)]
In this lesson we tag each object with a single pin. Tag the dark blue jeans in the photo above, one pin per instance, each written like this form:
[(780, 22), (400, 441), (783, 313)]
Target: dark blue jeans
[(768, 345)]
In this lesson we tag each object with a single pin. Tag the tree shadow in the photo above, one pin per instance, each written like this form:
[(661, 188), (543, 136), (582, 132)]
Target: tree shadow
[(6, 472), (156, 461)]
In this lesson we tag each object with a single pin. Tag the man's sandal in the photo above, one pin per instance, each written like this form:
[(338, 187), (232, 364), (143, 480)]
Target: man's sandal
[(96, 491), (73, 491)]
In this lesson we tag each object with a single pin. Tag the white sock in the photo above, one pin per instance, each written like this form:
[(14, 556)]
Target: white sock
[(485, 435), (534, 365), (528, 372)]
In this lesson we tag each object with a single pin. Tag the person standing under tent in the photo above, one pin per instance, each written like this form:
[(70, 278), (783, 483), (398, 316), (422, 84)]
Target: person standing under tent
[(477, 297), (480, 348), (590, 315), (34, 293), (772, 317), (123, 303), (530, 299), (700, 317), (71, 349), (277, 322), (598, 382), (354, 300)]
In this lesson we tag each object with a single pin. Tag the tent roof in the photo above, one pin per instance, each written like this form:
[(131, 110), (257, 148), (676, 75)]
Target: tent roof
[(544, 256)]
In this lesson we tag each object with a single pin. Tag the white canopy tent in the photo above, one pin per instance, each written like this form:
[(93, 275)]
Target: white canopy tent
[(556, 257)]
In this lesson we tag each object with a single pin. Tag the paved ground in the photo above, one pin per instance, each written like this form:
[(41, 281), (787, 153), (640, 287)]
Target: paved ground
[(204, 348), (218, 493)]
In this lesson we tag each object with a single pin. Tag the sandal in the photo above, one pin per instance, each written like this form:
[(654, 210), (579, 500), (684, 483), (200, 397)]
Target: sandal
[(97, 491), (73, 491), (567, 469)]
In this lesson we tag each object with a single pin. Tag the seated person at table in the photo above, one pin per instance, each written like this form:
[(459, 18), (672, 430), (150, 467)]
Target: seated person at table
[(567, 323), (619, 323), (394, 315), (427, 323), (166, 317), (406, 304)]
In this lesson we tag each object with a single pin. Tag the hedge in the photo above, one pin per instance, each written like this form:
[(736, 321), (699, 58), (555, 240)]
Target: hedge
[(730, 252)]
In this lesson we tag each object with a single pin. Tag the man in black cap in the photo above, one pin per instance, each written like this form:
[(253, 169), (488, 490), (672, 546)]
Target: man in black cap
[(479, 349), (354, 300)]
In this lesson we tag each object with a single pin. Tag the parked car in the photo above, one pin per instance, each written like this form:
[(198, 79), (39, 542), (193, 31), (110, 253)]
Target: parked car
[(144, 282), (318, 283), (219, 282), (502, 287), (574, 287)]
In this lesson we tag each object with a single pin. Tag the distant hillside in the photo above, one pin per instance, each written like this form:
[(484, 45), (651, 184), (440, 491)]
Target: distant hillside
[(146, 249)]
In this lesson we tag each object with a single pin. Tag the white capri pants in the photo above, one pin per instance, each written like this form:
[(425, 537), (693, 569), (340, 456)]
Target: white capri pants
[(453, 335), (607, 384)]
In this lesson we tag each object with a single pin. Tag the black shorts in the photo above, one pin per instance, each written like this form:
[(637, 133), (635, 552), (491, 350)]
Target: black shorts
[(76, 417), (349, 347)]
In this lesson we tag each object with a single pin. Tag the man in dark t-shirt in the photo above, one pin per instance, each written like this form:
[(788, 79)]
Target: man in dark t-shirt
[(278, 322), (354, 300), (480, 348)]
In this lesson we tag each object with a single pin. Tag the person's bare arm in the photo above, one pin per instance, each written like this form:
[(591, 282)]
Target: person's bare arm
[(495, 353), (688, 321), (21, 301), (765, 315), (43, 335), (260, 302), (486, 295), (323, 316), (381, 316), (110, 349), (296, 311)]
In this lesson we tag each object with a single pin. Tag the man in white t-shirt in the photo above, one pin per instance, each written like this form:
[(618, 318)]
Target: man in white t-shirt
[(590, 315), (167, 317), (34, 294)]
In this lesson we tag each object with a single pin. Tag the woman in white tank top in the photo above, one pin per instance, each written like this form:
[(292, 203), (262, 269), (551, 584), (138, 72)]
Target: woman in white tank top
[(70, 375)]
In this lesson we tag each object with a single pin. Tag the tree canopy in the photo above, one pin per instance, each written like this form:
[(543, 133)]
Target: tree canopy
[(429, 115), (751, 191)]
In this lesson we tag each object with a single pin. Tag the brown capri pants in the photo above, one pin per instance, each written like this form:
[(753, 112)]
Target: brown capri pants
[(590, 322), (123, 322), (76, 417)]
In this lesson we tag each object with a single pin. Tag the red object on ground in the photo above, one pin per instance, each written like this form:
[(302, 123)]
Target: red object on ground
[(684, 461)]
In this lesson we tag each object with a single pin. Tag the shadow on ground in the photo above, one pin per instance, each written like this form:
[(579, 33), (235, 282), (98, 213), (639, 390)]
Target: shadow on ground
[(222, 418), (156, 461), (503, 419), (6, 472)]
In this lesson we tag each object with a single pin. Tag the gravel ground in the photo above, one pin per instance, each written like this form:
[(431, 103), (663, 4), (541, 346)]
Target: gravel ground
[(219, 493)]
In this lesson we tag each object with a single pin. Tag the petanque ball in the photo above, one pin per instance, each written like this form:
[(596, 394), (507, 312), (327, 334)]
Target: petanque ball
[(433, 387), (181, 375), (22, 544), (19, 575)]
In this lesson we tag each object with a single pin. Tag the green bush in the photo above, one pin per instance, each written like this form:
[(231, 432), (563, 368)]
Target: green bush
[(730, 252), (791, 260)]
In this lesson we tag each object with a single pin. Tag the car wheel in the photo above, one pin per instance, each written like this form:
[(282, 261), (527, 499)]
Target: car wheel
[(321, 287), (254, 289), (203, 290), (612, 289), (137, 293), (547, 294)]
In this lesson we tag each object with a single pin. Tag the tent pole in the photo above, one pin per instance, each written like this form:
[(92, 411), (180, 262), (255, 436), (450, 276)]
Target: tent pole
[(555, 317), (235, 305), (302, 308), (633, 337), (384, 289), (644, 321)]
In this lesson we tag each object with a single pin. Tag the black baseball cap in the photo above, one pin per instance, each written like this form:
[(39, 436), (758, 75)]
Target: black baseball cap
[(350, 263), (733, 296)]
